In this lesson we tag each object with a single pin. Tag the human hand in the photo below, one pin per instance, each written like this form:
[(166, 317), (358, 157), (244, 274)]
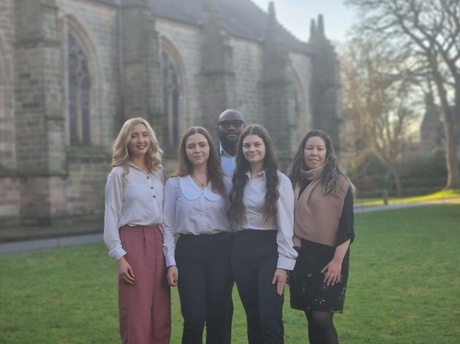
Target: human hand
[(332, 273), (173, 276), (125, 272), (280, 278)]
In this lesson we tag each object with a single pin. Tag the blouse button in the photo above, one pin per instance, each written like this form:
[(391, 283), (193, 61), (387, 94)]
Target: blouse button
[(148, 177), (154, 196), (151, 187)]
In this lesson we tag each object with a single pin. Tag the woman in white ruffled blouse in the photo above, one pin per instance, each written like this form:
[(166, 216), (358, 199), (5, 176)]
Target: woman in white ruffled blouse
[(195, 205), (262, 209)]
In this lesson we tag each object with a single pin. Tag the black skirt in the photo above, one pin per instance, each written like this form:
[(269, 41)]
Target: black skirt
[(308, 292)]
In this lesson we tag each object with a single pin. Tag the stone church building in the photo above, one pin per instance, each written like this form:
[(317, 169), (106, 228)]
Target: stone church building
[(72, 71), (432, 134)]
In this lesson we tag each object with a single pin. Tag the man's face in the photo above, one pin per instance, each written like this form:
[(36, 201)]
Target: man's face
[(229, 127)]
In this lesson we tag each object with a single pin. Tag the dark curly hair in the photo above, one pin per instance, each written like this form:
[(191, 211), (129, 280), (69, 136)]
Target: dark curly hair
[(236, 210)]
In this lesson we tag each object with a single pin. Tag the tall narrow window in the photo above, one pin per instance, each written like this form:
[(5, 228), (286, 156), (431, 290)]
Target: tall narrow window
[(170, 102), (79, 90)]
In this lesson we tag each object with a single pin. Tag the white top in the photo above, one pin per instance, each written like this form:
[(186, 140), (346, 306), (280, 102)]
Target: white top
[(254, 201), (133, 200), (191, 210), (227, 161)]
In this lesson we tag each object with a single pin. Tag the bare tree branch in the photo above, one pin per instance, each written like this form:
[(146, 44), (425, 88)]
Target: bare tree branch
[(426, 36)]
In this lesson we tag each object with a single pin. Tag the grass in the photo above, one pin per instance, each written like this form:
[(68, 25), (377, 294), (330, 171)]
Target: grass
[(437, 196), (403, 288), (405, 277)]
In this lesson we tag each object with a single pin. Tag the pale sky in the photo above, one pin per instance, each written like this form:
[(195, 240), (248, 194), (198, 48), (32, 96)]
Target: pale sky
[(295, 15)]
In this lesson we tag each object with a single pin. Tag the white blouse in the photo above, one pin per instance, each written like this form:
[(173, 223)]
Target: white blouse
[(133, 200), (189, 209), (254, 201), (227, 161)]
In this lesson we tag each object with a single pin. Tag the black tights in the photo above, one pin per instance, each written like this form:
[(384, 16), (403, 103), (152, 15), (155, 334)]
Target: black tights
[(321, 330)]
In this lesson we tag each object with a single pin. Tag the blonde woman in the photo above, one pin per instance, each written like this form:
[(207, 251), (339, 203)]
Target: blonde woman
[(132, 233)]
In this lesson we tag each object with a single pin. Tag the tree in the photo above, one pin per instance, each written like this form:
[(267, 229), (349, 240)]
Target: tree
[(379, 99), (426, 36)]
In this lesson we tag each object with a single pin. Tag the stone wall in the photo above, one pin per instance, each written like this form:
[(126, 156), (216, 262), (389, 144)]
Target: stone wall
[(248, 75), (9, 184), (43, 179), (248, 70), (81, 192), (9, 200), (187, 42), (301, 78), (7, 125), (96, 24)]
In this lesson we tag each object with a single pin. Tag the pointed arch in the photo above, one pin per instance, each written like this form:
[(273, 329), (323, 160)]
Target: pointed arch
[(173, 93), (83, 90)]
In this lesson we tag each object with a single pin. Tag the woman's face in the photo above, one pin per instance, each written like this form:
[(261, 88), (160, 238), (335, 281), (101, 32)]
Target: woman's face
[(197, 149), (315, 152), (254, 150), (139, 142)]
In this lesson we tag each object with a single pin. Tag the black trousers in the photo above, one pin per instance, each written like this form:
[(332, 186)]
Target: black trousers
[(228, 339), (254, 260), (203, 262)]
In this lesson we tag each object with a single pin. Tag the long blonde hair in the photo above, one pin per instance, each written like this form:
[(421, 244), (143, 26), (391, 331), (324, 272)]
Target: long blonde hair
[(120, 152)]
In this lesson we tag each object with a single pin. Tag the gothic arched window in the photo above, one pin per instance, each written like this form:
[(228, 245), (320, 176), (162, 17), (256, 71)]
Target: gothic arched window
[(79, 91), (170, 102)]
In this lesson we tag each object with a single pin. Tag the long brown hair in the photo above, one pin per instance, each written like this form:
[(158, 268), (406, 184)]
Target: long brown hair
[(236, 210), (185, 167), (331, 167), (120, 152)]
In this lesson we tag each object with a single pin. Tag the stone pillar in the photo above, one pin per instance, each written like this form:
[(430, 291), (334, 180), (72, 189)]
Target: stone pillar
[(141, 89), (218, 77), (325, 90), (40, 131), (278, 90)]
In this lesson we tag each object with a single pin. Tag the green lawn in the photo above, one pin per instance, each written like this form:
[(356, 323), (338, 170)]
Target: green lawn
[(403, 288)]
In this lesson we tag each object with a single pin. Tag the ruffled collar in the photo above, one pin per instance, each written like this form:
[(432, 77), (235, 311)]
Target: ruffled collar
[(191, 191)]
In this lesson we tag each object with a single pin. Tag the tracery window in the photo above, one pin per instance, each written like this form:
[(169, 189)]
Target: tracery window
[(79, 91), (171, 95)]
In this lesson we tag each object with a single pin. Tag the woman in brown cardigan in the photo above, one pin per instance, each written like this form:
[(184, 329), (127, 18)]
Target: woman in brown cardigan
[(323, 233)]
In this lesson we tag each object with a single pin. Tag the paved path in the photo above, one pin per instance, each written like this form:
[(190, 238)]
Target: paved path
[(61, 241), (365, 209), (44, 244)]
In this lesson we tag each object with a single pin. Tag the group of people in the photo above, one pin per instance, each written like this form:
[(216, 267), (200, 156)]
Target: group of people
[(227, 216)]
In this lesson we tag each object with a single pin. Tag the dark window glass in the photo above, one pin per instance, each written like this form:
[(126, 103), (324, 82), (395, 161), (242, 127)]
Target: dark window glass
[(79, 88), (170, 103)]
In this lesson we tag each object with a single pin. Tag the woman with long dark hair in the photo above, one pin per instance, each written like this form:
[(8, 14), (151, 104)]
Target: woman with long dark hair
[(261, 208), (196, 207), (323, 234)]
